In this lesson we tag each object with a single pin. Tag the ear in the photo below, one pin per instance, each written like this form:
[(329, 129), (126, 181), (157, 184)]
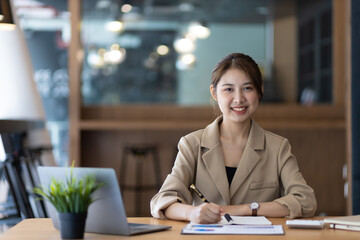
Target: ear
[(213, 92)]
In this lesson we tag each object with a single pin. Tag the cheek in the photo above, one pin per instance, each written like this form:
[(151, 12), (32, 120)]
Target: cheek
[(254, 98), (222, 102), (256, 102)]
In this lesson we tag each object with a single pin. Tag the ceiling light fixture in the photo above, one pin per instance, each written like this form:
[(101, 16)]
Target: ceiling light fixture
[(184, 45), (186, 61), (94, 59), (162, 50), (199, 30), (115, 56), (126, 8), (114, 26)]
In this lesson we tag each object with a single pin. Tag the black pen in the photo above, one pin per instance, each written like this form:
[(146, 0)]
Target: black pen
[(202, 197)]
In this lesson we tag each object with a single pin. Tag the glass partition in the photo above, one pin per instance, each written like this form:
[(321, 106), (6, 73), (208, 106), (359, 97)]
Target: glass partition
[(46, 27), (140, 52)]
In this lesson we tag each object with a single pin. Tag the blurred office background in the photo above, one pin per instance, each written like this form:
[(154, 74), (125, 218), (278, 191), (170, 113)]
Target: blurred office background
[(122, 81)]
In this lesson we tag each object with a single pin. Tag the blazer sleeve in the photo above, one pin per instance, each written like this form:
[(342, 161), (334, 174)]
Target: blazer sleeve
[(176, 185), (297, 196)]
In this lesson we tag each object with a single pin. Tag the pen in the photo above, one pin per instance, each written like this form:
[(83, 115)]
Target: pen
[(199, 193), (228, 218), (202, 197)]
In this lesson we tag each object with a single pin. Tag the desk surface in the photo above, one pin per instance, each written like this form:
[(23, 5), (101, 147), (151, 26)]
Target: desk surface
[(42, 228)]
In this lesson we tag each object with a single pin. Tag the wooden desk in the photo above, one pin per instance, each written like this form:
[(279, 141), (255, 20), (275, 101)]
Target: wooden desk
[(42, 228)]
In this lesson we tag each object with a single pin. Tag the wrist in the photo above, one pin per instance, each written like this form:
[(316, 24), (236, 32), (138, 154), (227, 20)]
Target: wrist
[(254, 207), (188, 213), (241, 210)]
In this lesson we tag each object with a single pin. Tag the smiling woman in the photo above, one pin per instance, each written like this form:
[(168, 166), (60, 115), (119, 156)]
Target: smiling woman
[(234, 140)]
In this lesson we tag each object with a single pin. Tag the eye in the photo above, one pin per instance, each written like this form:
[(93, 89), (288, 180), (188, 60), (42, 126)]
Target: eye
[(227, 89), (248, 88)]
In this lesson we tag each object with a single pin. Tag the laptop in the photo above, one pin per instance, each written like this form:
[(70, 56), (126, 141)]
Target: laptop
[(107, 213)]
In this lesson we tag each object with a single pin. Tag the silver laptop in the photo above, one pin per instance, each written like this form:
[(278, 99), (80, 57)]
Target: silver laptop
[(107, 213)]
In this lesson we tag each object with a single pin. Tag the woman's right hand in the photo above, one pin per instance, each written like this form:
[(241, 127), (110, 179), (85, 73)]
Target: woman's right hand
[(205, 213)]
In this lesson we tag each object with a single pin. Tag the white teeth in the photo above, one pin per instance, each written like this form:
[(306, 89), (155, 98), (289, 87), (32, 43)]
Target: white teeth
[(239, 109)]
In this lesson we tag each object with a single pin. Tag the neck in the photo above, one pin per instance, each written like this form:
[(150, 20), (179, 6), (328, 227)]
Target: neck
[(235, 131)]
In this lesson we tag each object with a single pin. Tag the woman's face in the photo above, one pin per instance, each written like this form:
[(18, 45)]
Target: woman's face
[(236, 96)]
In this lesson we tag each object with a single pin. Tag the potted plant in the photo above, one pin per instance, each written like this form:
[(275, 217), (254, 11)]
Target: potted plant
[(71, 199)]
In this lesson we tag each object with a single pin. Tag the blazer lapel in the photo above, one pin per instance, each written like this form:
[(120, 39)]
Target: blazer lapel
[(248, 161), (214, 159), (249, 158), (214, 162)]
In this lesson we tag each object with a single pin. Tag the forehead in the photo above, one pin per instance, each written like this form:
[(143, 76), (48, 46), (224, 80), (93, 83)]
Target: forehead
[(235, 76)]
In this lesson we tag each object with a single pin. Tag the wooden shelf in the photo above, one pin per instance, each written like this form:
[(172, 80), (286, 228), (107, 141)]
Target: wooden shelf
[(140, 125), (105, 125)]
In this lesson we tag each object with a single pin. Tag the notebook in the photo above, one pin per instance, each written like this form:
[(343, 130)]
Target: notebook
[(351, 223), (107, 213), (346, 220)]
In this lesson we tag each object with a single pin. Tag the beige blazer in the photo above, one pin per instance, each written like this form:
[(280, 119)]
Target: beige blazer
[(267, 171)]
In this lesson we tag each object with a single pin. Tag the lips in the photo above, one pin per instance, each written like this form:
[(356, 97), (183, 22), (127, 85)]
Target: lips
[(239, 109)]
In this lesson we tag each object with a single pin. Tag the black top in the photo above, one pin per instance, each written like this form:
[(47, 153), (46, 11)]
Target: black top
[(230, 172)]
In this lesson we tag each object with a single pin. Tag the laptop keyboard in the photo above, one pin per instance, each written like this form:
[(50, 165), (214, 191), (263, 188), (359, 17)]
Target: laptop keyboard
[(138, 227)]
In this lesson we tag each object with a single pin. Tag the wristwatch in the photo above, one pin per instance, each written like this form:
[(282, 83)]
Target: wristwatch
[(254, 206)]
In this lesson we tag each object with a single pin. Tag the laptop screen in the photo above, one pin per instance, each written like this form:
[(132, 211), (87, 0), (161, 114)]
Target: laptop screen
[(106, 214)]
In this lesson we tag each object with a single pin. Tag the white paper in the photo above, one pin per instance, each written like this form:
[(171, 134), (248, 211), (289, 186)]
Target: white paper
[(205, 229), (245, 220)]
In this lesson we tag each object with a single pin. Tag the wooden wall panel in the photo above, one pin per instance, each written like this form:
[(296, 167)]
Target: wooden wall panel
[(321, 156), (104, 149)]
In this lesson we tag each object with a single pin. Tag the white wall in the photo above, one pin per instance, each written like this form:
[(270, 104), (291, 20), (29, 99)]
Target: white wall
[(193, 85)]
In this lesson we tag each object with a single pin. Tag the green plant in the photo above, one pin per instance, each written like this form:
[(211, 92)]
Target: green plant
[(73, 196)]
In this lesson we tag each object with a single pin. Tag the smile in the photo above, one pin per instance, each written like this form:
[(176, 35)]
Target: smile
[(239, 109)]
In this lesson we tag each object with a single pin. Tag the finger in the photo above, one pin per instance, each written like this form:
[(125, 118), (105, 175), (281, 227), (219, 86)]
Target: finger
[(214, 208), (205, 214), (213, 215), (210, 212), (212, 218)]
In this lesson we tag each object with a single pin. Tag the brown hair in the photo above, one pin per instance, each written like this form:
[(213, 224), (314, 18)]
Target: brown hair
[(240, 61)]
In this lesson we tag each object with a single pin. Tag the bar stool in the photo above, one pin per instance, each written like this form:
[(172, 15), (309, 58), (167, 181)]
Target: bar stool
[(139, 153)]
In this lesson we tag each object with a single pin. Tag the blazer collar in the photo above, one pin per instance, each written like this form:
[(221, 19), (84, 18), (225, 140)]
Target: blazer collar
[(211, 135), (214, 159), (256, 136)]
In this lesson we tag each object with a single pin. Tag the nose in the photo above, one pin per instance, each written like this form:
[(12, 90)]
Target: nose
[(239, 97)]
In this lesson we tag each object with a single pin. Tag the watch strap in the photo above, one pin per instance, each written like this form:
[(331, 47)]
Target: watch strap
[(254, 211), (254, 206)]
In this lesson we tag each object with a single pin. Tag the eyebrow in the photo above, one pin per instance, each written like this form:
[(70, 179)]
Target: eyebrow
[(227, 84), (230, 84)]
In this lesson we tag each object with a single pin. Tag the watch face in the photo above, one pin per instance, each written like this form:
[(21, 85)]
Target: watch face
[(254, 205)]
